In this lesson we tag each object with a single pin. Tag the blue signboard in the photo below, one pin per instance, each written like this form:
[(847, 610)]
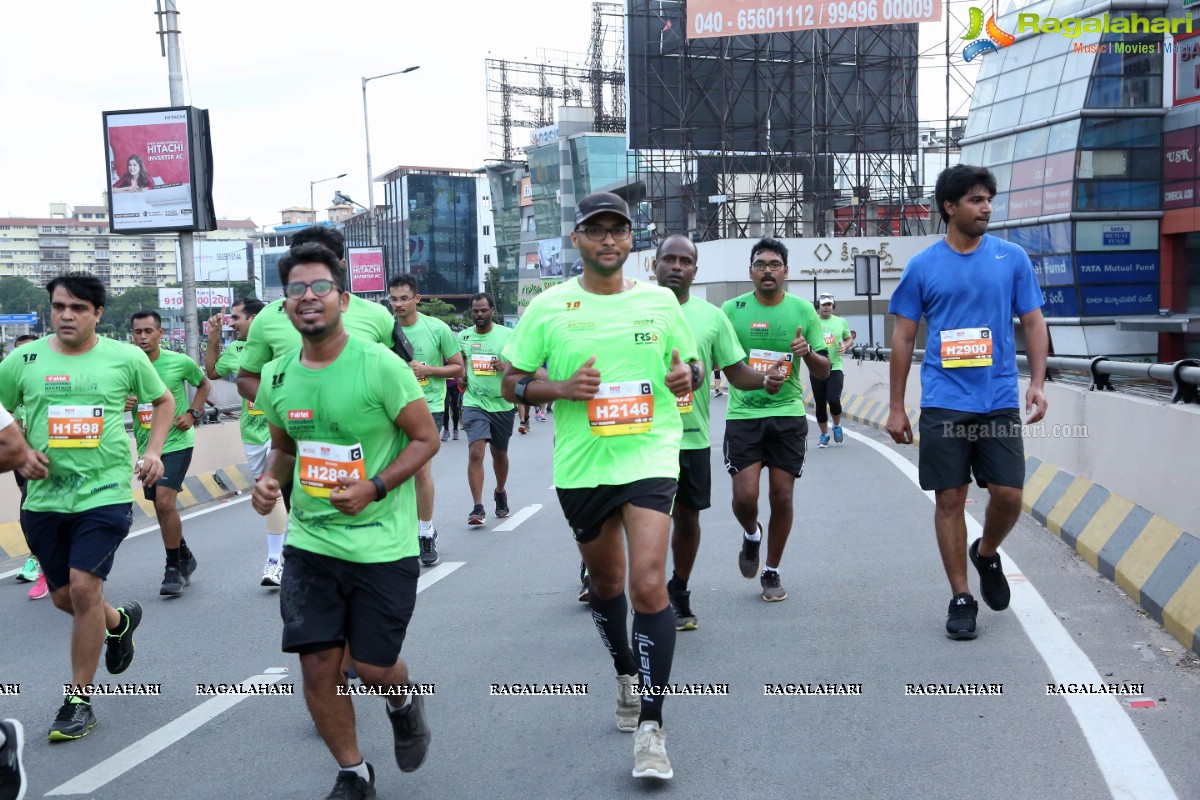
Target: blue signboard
[(1054, 270), (1117, 238), (18, 319), (1104, 301), (1060, 302), (1129, 267)]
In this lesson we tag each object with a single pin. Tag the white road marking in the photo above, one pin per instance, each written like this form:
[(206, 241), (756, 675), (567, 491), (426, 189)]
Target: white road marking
[(435, 574), (1124, 759), (215, 507), (516, 519), (154, 743)]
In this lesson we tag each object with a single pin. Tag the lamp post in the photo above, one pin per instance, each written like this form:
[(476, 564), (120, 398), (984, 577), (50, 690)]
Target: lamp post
[(367, 131), (311, 184)]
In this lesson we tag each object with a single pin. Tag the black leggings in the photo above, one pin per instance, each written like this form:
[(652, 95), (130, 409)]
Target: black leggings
[(452, 409), (828, 390)]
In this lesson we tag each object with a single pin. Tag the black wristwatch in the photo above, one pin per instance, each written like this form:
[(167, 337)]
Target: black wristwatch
[(195, 414), (697, 375), (380, 489)]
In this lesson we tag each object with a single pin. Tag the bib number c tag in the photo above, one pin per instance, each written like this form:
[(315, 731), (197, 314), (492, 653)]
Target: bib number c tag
[(966, 347), (323, 465), (145, 413), (684, 404), (620, 409), (485, 365), (762, 361)]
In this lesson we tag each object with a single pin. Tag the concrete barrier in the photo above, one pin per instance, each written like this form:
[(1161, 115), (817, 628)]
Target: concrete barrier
[(218, 471), (1092, 442)]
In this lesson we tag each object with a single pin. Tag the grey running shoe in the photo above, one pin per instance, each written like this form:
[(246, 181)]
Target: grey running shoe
[(772, 589), (429, 551), (748, 557), (350, 786), (187, 565), (173, 583), (960, 620), (681, 602), (410, 733), (650, 752), (74, 720), (629, 705), (12, 767), (119, 653)]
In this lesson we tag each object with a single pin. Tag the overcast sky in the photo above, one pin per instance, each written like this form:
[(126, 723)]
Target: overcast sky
[(282, 82)]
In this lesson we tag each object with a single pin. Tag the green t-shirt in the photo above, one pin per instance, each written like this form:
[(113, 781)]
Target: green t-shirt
[(342, 419), (836, 330), (481, 355), (766, 334), (718, 347), (76, 412), (632, 429), (174, 369), (252, 421), (433, 342), (272, 334)]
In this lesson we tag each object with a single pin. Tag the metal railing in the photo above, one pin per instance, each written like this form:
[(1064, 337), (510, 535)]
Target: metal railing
[(1179, 381)]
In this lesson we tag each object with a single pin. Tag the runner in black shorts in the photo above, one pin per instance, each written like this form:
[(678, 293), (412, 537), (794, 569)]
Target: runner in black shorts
[(616, 453), (77, 512), (350, 426), (968, 288), (675, 268), (777, 329)]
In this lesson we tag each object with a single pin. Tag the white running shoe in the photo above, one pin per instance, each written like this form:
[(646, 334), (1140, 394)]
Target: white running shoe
[(629, 704), (650, 753), (272, 572)]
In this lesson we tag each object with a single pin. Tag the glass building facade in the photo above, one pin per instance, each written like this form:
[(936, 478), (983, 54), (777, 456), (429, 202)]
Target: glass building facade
[(1073, 130)]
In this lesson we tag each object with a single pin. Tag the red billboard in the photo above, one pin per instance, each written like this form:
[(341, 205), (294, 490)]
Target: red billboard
[(365, 267)]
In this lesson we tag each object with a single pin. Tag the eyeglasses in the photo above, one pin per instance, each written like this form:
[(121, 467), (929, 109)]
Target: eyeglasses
[(320, 287), (598, 233), (774, 266)]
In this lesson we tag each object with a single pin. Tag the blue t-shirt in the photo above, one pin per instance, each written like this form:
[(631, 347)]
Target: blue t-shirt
[(970, 301)]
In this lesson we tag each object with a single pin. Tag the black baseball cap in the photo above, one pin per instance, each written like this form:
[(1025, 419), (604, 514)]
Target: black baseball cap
[(601, 203)]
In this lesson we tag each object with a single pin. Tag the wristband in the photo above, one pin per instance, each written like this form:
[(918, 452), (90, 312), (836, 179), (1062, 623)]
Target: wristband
[(519, 391), (380, 489)]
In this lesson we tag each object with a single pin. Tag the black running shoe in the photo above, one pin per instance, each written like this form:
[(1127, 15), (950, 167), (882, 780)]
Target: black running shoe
[(429, 551), (74, 720), (12, 768), (772, 588), (992, 583), (173, 583), (477, 516), (501, 499), (748, 557), (681, 601), (119, 653), (960, 621), (411, 734), (350, 786), (585, 590), (187, 565)]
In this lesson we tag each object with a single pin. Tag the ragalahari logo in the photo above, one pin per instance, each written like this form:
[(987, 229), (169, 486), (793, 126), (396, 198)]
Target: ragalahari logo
[(997, 37)]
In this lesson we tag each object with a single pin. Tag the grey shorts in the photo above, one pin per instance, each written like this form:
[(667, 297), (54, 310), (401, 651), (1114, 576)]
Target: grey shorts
[(493, 426)]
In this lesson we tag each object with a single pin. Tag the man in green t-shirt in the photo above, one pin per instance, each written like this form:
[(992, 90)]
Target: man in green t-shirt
[(487, 416), (618, 354), (349, 427), (772, 326), (674, 265), (78, 507), (827, 392), (256, 436), (435, 358), (175, 370)]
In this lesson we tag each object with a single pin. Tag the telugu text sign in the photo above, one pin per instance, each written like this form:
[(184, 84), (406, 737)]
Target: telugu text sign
[(708, 19)]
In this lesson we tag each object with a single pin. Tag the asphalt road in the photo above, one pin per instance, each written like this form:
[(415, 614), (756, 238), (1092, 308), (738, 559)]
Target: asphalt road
[(867, 604)]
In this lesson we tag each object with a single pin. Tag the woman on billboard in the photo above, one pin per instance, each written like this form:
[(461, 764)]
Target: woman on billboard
[(136, 178)]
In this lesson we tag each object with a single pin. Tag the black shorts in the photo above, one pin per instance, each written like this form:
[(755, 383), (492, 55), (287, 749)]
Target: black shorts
[(958, 444), (326, 602), (84, 540), (493, 426), (778, 442), (695, 479), (588, 509), (175, 467)]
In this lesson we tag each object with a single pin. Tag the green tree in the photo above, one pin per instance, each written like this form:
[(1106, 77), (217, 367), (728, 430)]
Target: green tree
[(491, 285), (19, 296), (440, 309), (121, 307)]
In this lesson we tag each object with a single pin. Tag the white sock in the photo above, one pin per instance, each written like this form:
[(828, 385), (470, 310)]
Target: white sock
[(770, 569), (397, 709), (274, 546), (359, 769), (426, 527), (756, 536)]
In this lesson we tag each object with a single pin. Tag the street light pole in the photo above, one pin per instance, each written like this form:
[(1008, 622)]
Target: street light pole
[(311, 184), (367, 131)]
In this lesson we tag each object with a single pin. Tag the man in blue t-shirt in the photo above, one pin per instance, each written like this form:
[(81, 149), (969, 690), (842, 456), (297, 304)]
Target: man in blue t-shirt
[(969, 287)]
